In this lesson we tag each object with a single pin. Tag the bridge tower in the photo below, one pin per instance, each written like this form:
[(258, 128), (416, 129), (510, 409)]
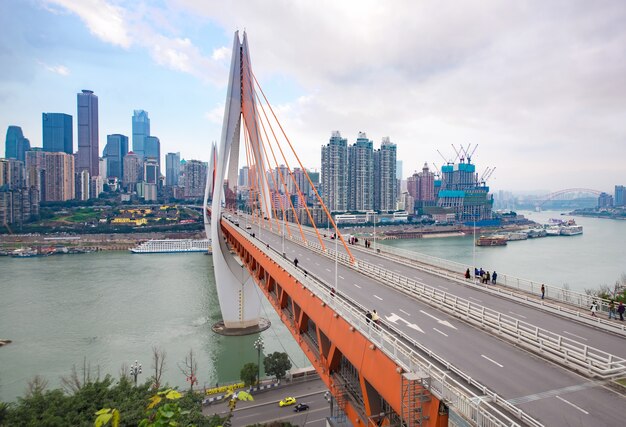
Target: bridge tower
[(237, 293)]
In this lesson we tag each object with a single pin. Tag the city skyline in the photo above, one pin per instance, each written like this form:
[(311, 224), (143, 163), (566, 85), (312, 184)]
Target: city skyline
[(539, 88)]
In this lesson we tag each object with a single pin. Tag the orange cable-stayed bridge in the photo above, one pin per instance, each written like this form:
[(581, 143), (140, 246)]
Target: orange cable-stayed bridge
[(443, 351)]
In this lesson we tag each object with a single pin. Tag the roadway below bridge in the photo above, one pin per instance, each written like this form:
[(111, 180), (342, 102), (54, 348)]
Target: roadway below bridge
[(552, 394)]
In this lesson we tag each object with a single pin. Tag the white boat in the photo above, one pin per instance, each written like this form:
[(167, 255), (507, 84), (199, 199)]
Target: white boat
[(553, 230), (516, 235), (571, 230), (172, 245)]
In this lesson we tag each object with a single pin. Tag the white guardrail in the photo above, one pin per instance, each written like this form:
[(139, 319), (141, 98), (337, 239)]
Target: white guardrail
[(478, 409), (456, 271), (557, 293), (580, 357)]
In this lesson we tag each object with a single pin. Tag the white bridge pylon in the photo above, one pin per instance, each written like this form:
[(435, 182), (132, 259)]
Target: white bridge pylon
[(238, 295)]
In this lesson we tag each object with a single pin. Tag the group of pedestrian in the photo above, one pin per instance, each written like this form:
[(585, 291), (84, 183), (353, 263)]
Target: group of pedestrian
[(485, 277), (613, 312), (353, 240), (368, 244)]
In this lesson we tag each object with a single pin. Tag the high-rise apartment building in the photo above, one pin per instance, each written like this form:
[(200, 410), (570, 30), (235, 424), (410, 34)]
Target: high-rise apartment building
[(421, 187), (133, 166), (88, 146), (16, 145), (151, 171), (385, 182), (361, 174), (114, 152), (620, 196), (59, 177), (141, 130), (334, 173), (194, 178), (18, 203), (172, 169), (35, 168), (58, 134)]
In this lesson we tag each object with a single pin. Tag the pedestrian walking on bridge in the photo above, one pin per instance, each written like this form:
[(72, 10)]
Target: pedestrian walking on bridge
[(620, 310), (543, 291), (295, 262), (594, 308), (612, 310), (467, 274), (494, 277)]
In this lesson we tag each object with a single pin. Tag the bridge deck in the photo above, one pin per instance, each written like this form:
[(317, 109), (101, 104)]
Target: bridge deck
[(552, 394)]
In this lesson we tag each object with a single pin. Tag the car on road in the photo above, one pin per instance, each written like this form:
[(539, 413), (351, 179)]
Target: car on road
[(300, 407), (248, 227), (287, 401)]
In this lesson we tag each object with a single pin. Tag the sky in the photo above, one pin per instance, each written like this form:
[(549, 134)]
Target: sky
[(538, 87)]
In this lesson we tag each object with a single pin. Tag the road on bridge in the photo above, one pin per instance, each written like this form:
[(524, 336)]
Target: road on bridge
[(550, 393)]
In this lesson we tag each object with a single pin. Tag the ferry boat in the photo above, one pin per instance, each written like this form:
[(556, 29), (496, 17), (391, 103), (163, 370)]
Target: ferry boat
[(553, 230), (571, 230), (495, 240), (172, 245)]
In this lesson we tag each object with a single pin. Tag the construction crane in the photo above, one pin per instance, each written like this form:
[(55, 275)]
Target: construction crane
[(469, 155), (448, 162), (489, 175), (458, 154)]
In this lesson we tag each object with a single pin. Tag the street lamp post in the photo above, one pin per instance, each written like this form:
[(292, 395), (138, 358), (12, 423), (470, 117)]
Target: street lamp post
[(258, 344), (474, 248), (336, 254), (135, 370)]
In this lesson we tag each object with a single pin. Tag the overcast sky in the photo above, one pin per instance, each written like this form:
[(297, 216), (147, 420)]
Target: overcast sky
[(540, 86)]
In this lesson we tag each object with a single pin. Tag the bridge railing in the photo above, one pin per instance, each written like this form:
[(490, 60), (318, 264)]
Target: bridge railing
[(409, 354), (557, 293), (573, 354)]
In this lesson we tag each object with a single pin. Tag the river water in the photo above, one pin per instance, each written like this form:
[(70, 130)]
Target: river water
[(110, 308)]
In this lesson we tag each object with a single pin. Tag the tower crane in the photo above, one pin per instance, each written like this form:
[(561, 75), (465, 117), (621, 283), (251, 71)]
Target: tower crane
[(458, 154), (469, 155), (448, 162)]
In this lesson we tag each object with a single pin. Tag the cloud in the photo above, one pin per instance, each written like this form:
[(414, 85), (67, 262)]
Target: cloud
[(103, 19), (215, 115), (221, 53), (61, 70)]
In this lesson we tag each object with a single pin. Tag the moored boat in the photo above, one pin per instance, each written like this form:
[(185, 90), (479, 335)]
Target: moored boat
[(495, 240), (172, 245)]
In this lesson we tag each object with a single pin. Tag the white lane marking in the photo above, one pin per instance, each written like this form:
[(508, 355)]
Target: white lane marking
[(381, 264), (376, 296), (328, 269), (574, 335), (408, 314), (571, 404), (356, 285), (394, 318), (475, 299), (442, 333), (439, 286), (342, 278), (492, 361), (441, 322), (317, 263), (518, 315)]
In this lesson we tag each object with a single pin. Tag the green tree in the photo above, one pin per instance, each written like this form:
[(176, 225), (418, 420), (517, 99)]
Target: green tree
[(277, 364), (248, 373)]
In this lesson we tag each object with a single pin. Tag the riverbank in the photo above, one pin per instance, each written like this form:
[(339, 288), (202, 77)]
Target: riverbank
[(92, 242)]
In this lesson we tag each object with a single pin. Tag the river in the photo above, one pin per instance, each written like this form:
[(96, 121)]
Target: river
[(110, 308)]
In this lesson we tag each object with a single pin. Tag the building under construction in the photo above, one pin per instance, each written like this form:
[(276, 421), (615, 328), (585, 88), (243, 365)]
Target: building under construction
[(462, 192)]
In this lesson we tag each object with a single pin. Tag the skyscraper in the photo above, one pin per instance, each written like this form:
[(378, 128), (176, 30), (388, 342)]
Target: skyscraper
[(114, 152), (16, 145), (172, 169), (385, 183), (57, 132), (88, 147), (334, 173), (141, 129), (620, 195), (35, 167), (132, 171), (59, 177), (361, 174), (152, 149)]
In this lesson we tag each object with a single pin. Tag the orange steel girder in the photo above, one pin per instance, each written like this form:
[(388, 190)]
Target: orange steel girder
[(295, 304)]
